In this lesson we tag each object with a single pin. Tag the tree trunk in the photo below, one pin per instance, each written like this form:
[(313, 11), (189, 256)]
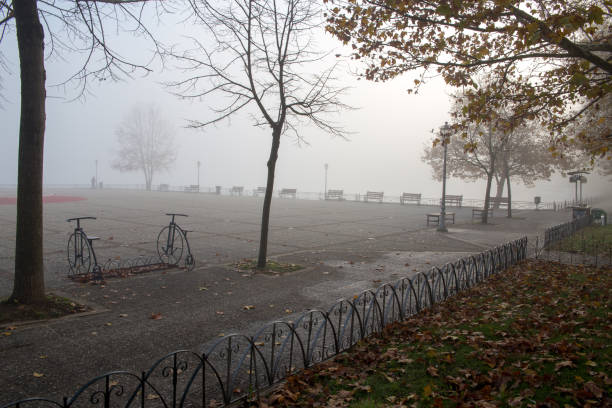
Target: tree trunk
[(490, 174), (485, 213), (500, 192), (265, 218), (29, 285), (509, 194)]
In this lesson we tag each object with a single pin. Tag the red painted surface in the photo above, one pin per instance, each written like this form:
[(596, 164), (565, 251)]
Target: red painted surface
[(46, 199)]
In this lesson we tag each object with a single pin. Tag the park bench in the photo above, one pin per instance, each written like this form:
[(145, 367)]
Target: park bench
[(435, 217), (374, 196), (236, 190), (194, 188), (335, 195), (407, 197), (288, 192), (501, 202), (259, 190), (455, 200), (478, 212)]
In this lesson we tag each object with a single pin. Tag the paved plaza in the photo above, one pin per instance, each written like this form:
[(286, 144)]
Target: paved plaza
[(345, 247)]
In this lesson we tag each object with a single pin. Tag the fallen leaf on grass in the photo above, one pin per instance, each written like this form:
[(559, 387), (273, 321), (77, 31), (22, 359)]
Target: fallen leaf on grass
[(248, 307), (219, 313), (202, 288), (37, 375), (156, 316), (123, 315), (152, 396), (562, 364), (433, 371)]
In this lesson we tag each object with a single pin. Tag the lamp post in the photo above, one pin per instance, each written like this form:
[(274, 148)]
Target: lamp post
[(198, 162), (445, 132), (325, 191), (96, 184)]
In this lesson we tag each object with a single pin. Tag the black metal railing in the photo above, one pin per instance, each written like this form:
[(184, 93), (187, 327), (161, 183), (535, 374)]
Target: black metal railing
[(587, 249), (238, 367), (562, 231)]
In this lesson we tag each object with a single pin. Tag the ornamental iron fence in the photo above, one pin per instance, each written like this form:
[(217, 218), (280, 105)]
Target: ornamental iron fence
[(238, 367), (568, 243)]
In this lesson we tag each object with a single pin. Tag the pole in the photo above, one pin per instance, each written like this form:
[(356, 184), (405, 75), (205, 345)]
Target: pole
[(442, 221), (198, 175), (445, 132), (580, 190), (325, 191), (96, 185), (576, 195)]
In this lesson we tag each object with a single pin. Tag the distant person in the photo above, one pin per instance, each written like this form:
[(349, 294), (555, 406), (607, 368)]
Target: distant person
[(93, 182)]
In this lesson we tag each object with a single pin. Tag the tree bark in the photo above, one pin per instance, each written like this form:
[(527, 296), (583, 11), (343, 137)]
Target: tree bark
[(500, 192), (490, 173), (29, 285), (509, 194), (265, 217), (485, 213)]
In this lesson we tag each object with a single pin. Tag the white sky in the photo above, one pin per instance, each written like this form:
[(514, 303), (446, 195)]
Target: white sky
[(383, 154)]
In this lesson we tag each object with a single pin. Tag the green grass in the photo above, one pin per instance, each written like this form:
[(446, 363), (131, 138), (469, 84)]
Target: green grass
[(52, 307), (538, 334), (592, 240)]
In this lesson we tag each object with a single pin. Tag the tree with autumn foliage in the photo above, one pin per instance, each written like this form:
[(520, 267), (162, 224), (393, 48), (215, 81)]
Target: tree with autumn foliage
[(552, 56), (501, 148)]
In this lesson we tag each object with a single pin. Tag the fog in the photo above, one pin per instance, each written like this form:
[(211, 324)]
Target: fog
[(383, 152)]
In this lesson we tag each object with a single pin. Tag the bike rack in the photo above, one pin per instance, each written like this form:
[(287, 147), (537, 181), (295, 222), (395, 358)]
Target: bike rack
[(168, 255)]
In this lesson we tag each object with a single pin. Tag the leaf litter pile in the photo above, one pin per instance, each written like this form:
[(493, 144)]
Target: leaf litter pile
[(537, 335)]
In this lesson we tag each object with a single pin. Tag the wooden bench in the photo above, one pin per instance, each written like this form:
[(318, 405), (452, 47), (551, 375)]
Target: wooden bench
[(449, 216), (374, 196), (477, 212), (455, 200), (194, 188), (406, 197), (501, 202), (335, 195), (236, 190), (258, 191), (288, 192)]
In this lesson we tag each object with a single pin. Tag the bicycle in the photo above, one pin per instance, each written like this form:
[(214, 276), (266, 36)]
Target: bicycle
[(171, 243), (81, 251)]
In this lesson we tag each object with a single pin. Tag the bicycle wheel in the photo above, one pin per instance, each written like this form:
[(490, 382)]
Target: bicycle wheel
[(79, 253), (170, 243), (189, 262)]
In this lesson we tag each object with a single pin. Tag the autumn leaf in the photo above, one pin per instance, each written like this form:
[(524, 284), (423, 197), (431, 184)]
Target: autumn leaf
[(248, 307), (156, 316), (433, 371), (37, 375)]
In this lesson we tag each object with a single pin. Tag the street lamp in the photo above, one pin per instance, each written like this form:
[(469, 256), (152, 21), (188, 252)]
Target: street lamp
[(445, 132), (325, 191), (199, 175), (96, 184)]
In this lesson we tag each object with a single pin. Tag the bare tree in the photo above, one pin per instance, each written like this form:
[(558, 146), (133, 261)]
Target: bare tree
[(261, 55), (63, 26), (145, 143)]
